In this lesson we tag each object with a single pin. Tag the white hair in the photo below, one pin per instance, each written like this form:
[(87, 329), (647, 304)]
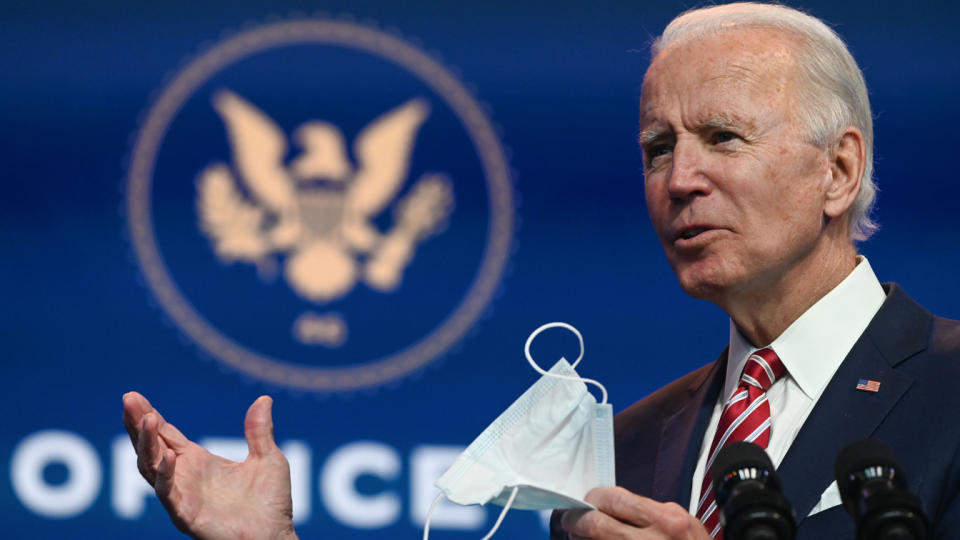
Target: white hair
[(834, 91)]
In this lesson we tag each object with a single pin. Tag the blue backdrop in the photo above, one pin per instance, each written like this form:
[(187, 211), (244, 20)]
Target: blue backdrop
[(111, 282)]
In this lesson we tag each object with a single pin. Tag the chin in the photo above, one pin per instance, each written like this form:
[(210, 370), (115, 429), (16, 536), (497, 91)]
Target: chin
[(702, 290), (704, 282)]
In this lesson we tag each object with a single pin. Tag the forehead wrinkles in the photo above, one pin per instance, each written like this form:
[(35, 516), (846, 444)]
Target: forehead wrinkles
[(746, 68), (770, 70)]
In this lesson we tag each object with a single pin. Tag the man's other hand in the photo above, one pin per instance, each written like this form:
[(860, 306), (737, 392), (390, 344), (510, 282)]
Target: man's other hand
[(624, 515), (207, 496)]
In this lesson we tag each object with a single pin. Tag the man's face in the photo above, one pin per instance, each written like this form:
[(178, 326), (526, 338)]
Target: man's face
[(734, 191)]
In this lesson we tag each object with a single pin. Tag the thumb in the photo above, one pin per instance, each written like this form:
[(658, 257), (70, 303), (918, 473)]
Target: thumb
[(258, 427)]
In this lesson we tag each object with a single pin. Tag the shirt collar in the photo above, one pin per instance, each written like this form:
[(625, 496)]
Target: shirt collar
[(814, 345)]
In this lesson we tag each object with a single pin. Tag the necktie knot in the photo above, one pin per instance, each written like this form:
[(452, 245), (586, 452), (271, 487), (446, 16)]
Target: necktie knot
[(762, 369)]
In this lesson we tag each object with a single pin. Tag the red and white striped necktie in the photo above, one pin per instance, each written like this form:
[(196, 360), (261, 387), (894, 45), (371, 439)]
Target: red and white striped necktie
[(745, 417)]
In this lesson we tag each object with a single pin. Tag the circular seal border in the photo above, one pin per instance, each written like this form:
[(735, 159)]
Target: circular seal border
[(374, 42)]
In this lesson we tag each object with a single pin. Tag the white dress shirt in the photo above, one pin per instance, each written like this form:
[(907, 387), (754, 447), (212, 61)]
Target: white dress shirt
[(812, 348)]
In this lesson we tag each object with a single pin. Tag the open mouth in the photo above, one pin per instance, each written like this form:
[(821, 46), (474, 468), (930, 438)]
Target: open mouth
[(687, 234)]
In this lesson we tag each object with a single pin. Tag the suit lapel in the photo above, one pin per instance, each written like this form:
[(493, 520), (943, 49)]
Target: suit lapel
[(844, 414), (681, 435), (841, 416)]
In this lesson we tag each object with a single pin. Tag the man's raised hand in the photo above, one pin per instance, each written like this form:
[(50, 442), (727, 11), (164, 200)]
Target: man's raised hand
[(207, 496), (624, 515)]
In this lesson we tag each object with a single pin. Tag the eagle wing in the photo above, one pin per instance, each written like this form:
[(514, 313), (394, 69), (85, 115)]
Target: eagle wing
[(383, 150), (233, 224), (259, 148)]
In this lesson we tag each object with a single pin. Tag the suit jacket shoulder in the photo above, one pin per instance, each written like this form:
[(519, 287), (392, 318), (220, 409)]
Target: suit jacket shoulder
[(915, 357), (657, 438)]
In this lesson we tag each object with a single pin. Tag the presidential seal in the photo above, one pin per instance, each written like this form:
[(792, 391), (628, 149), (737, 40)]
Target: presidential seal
[(319, 205)]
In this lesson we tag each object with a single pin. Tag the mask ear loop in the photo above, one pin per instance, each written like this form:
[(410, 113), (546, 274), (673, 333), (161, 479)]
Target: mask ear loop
[(503, 513), (426, 524), (540, 370)]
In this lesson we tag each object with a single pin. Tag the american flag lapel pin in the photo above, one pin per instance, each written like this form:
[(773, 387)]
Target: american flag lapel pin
[(868, 385)]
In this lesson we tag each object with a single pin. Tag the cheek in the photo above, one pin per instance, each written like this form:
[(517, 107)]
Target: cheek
[(656, 198), (797, 188), (795, 217)]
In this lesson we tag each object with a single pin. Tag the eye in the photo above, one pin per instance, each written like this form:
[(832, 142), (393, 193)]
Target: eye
[(720, 137), (656, 150)]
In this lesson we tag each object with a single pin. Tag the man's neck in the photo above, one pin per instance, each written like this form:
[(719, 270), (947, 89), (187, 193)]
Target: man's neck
[(763, 313)]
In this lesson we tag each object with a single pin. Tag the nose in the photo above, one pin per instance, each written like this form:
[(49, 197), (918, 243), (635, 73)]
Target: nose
[(687, 177)]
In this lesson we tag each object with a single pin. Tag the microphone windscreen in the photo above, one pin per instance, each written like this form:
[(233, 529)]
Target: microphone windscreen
[(739, 455), (858, 456)]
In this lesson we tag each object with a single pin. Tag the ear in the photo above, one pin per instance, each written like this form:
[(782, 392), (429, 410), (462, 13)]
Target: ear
[(848, 158)]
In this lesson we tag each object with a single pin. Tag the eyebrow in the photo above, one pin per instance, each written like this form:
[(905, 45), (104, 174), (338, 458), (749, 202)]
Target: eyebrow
[(651, 135), (744, 125), (721, 122), (714, 121)]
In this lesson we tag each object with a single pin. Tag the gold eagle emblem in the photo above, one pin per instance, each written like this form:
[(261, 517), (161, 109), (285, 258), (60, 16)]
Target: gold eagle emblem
[(317, 210)]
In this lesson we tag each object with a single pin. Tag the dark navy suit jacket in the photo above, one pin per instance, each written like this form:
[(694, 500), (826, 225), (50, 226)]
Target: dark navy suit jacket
[(916, 358)]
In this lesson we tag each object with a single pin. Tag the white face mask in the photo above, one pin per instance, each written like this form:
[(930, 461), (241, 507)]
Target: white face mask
[(546, 451)]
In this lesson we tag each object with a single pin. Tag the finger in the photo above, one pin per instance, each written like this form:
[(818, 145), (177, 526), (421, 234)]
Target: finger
[(668, 520), (258, 427), (624, 505), (165, 472), (172, 436), (595, 524), (148, 448), (166, 491), (134, 407), (569, 518)]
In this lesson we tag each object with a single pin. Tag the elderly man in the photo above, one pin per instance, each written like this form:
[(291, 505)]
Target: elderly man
[(756, 132)]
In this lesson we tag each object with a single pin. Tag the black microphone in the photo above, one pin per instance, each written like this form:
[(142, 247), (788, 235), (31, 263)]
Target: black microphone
[(749, 496), (874, 491)]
